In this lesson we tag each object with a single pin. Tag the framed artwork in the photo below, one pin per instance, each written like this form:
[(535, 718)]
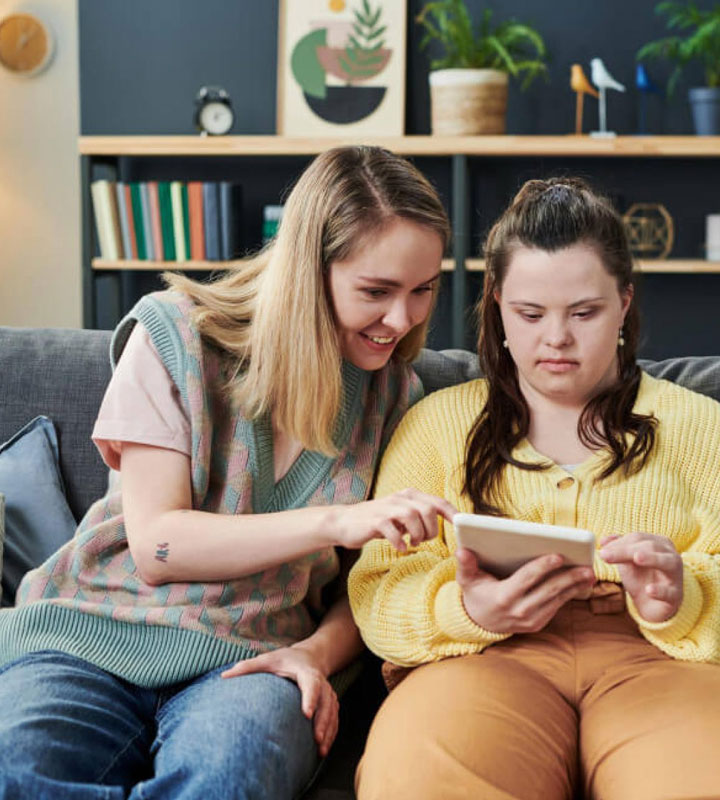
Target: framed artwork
[(341, 67)]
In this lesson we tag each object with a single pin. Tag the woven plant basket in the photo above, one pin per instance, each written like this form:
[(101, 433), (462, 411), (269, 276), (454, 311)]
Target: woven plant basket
[(466, 102)]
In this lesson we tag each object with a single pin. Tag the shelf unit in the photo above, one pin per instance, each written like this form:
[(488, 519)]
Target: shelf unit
[(458, 149), (669, 265)]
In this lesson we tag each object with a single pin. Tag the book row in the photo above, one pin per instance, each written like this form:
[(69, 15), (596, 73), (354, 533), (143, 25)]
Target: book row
[(168, 220)]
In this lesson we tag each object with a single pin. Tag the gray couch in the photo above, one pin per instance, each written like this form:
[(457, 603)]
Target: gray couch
[(62, 374)]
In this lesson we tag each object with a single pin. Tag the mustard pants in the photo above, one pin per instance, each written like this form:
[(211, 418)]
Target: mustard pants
[(585, 704)]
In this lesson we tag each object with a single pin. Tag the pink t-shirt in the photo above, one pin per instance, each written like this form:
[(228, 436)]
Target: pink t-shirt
[(141, 404)]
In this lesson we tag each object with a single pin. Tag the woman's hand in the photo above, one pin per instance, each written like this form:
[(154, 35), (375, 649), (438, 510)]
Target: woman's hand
[(525, 601), (651, 571), (319, 701), (407, 513)]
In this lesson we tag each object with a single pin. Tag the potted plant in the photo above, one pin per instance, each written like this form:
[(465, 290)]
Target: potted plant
[(469, 82), (702, 44)]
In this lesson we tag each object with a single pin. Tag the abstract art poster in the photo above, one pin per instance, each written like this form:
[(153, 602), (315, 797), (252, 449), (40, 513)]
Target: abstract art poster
[(341, 67)]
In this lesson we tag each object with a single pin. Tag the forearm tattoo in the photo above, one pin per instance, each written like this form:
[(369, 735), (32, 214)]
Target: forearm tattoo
[(162, 551)]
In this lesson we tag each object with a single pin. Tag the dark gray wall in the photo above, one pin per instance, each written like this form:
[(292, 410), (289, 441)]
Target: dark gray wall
[(142, 62)]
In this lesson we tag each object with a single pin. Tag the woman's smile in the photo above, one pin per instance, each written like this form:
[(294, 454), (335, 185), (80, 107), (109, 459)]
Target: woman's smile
[(380, 344)]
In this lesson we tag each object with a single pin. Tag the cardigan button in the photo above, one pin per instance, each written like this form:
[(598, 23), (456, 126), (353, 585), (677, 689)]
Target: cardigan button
[(565, 483)]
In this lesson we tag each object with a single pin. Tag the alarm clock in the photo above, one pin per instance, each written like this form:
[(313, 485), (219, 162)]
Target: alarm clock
[(213, 111), (26, 44)]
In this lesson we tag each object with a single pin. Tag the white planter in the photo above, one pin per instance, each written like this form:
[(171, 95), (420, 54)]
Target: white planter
[(466, 102), (705, 104)]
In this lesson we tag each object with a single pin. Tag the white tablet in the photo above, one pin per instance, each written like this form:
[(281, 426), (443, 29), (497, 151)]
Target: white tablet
[(502, 545)]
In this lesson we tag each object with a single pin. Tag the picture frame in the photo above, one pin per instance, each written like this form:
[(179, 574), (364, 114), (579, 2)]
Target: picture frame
[(341, 67)]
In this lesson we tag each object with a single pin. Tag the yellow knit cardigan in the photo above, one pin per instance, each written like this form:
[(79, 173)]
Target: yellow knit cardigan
[(409, 607)]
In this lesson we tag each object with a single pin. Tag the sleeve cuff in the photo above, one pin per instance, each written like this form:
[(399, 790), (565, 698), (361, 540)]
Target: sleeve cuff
[(684, 620), (454, 621)]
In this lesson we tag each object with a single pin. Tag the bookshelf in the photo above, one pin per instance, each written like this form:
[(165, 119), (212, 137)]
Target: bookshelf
[(670, 265), (459, 151), (570, 145)]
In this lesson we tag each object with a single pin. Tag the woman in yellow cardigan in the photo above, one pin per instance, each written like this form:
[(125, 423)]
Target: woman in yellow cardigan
[(552, 679)]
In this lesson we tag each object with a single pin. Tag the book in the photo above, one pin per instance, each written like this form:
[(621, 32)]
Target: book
[(155, 220), (197, 226), (138, 220), (177, 217), (115, 217), (166, 220), (272, 216), (186, 218), (146, 223), (211, 218), (123, 217), (106, 219), (131, 222), (230, 199)]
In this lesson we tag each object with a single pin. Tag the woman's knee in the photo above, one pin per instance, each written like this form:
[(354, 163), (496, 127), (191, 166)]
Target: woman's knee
[(668, 707), (470, 726), (246, 734)]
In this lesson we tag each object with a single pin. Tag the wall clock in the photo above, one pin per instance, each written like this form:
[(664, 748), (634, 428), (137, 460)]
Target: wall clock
[(26, 44)]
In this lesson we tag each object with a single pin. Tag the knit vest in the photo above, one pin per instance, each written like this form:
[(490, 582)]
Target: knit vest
[(88, 598)]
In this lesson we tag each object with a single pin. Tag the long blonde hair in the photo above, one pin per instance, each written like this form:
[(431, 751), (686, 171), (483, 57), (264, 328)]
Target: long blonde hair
[(273, 313)]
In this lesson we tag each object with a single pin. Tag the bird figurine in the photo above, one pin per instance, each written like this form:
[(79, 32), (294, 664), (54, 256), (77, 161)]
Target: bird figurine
[(603, 80), (645, 86), (581, 86)]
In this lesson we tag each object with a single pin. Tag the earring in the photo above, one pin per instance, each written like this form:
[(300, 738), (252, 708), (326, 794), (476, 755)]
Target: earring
[(621, 338), (505, 343)]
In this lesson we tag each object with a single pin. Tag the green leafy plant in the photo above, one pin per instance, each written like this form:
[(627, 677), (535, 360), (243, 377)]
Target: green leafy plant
[(701, 44), (511, 46), (363, 57)]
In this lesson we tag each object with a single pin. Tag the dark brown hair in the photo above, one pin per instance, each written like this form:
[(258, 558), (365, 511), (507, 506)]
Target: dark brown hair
[(550, 215)]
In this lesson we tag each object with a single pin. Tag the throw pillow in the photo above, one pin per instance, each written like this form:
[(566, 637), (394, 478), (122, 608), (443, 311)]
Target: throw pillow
[(38, 519)]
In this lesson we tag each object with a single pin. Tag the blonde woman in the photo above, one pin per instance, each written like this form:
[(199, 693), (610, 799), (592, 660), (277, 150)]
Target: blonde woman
[(553, 682), (149, 657)]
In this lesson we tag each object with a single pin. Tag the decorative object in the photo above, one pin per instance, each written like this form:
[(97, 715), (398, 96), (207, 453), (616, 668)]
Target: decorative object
[(469, 83), (645, 86), (650, 230), (213, 111), (702, 43), (712, 237), (603, 80), (581, 86), (341, 67), (26, 44)]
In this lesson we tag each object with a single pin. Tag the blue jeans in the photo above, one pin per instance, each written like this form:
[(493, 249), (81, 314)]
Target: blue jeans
[(70, 730)]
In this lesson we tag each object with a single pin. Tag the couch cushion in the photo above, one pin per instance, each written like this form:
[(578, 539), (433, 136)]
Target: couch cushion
[(38, 519), (438, 369), (61, 374), (2, 532), (699, 373)]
